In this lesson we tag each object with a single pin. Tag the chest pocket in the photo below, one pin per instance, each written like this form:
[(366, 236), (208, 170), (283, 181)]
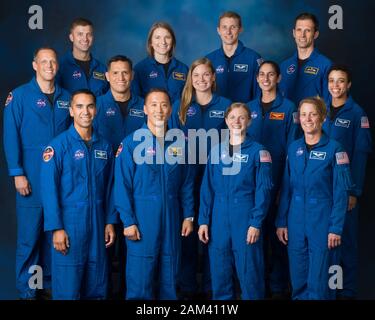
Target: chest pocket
[(100, 158)]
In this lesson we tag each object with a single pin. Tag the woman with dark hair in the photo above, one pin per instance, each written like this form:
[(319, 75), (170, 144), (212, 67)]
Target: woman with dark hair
[(313, 203), (348, 124), (235, 195), (160, 69), (274, 125)]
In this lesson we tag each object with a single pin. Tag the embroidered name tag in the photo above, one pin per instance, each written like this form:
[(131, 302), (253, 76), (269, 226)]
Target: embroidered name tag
[(216, 114), (277, 115), (238, 157), (342, 123), (179, 76), (98, 75), (62, 104), (101, 154), (241, 67), (317, 155), (136, 113), (311, 70)]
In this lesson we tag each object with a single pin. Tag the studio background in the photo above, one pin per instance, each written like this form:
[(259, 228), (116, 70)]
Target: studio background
[(121, 27)]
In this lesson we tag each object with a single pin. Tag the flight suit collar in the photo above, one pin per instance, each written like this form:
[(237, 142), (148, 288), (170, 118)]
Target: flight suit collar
[(239, 49), (34, 84), (74, 133)]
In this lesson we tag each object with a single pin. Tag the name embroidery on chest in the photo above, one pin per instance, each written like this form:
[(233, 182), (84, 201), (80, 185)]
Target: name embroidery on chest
[(342, 123), (100, 154), (238, 157), (317, 155)]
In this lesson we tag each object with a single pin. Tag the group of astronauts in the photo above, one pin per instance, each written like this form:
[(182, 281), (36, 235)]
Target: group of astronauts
[(267, 217)]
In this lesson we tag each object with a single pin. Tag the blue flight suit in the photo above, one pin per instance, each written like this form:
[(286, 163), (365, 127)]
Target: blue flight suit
[(149, 74), (236, 76), (309, 80), (351, 128), (231, 202), (110, 122), (208, 117), (30, 122), (275, 130), (156, 197), (72, 77), (77, 197), (313, 203)]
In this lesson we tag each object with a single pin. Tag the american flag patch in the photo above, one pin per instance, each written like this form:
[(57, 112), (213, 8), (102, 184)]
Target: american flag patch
[(364, 123), (342, 158), (265, 156), (295, 117)]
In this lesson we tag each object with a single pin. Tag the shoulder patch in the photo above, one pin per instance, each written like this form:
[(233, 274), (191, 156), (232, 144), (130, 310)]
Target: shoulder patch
[(9, 99), (365, 123), (119, 150), (265, 156), (295, 117), (48, 154), (260, 61), (342, 158)]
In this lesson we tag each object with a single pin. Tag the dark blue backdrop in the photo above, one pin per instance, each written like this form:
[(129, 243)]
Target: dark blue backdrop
[(121, 26)]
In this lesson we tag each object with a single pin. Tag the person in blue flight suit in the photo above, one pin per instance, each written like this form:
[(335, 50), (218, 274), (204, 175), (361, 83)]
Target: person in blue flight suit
[(153, 194), (34, 113), (199, 108), (348, 124), (235, 196), (78, 68), (119, 111), (160, 69), (313, 203), (305, 73), (274, 125), (77, 171), (236, 65)]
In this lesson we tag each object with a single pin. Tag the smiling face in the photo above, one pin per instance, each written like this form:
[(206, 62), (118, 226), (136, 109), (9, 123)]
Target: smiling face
[(45, 65), (267, 77), (338, 84), (161, 41), (238, 120), (82, 38), (119, 76), (202, 78), (304, 33), (83, 110), (158, 110), (229, 30), (310, 119)]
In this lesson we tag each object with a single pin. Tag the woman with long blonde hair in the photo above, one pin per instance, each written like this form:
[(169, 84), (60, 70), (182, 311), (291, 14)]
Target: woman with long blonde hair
[(199, 108)]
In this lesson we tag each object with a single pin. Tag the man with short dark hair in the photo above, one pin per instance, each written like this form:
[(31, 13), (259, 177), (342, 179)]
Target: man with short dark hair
[(155, 201), (34, 113), (119, 111), (78, 68), (236, 65), (76, 190), (305, 73)]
